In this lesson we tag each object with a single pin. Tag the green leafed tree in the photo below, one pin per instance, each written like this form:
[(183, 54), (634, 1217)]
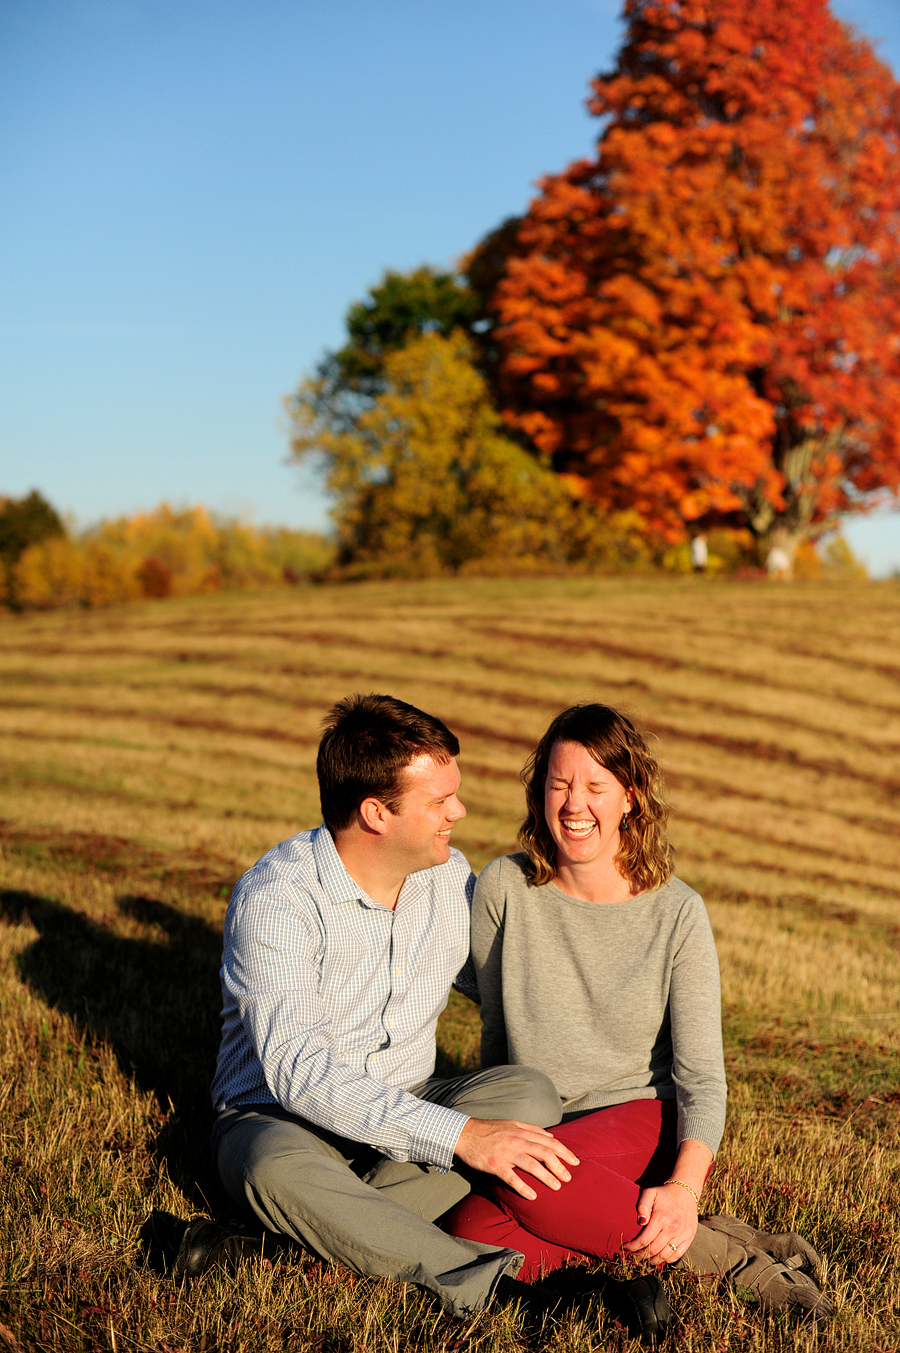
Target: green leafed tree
[(23, 522), (425, 482), (401, 307)]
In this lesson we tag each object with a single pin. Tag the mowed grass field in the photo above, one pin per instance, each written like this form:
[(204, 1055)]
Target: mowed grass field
[(152, 753)]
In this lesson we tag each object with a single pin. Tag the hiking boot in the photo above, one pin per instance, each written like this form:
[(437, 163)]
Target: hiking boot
[(783, 1289), (786, 1246), (207, 1245), (780, 1288)]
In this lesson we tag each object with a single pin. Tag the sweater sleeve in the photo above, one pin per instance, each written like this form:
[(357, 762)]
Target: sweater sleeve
[(695, 1011), (488, 919)]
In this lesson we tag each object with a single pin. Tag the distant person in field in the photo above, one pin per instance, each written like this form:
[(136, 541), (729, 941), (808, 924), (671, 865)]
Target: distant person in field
[(699, 554), (598, 966), (341, 945), (778, 564)]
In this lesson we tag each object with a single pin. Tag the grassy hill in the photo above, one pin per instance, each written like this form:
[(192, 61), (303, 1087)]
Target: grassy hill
[(152, 752)]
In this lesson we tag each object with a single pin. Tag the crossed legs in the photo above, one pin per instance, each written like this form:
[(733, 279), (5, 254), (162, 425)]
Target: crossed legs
[(351, 1205)]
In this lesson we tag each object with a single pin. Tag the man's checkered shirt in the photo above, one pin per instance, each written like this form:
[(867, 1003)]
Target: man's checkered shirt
[(330, 1000)]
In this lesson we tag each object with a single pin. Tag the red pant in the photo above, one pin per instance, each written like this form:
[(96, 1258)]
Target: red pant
[(622, 1150)]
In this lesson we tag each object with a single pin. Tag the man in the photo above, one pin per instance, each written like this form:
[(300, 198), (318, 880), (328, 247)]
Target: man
[(340, 948)]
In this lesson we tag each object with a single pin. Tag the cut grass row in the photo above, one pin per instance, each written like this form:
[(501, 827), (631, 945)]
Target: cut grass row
[(150, 754)]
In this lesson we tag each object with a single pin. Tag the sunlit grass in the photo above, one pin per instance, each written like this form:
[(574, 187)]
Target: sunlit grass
[(151, 753)]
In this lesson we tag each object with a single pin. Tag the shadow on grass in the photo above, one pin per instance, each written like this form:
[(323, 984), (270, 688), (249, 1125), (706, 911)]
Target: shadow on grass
[(155, 1001)]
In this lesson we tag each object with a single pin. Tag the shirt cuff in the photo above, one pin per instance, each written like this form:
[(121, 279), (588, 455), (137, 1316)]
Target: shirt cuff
[(437, 1132), (698, 1128)]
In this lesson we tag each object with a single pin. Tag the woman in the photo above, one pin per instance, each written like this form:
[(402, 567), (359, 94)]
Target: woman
[(599, 967)]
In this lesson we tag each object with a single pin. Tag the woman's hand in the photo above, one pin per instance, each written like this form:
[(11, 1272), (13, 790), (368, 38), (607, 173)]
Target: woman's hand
[(667, 1214), (668, 1219)]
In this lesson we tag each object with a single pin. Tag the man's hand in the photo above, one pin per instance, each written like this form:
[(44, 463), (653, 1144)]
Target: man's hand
[(496, 1145)]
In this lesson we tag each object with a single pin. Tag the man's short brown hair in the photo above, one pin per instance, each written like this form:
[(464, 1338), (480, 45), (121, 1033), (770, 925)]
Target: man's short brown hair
[(368, 742)]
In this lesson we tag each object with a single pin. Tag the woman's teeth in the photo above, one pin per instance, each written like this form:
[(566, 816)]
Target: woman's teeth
[(578, 828)]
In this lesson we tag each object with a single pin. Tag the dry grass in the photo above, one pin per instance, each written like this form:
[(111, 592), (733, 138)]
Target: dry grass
[(152, 753)]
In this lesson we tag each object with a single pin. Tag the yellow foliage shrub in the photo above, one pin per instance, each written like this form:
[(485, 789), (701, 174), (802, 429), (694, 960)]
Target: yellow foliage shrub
[(839, 559), (51, 574), (161, 553), (807, 563), (107, 577)]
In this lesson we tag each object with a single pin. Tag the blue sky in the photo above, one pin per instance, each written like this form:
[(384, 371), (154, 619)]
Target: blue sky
[(193, 191)]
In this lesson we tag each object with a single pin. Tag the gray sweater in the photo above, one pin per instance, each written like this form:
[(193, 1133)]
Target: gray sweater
[(614, 1001)]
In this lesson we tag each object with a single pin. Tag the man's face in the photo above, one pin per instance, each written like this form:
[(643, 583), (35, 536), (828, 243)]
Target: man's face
[(420, 831)]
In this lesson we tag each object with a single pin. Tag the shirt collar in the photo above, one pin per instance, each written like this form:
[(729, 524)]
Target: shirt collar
[(341, 887), (332, 873)]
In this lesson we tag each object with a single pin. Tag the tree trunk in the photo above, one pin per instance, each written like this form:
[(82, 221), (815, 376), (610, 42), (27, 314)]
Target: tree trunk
[(784, 529)]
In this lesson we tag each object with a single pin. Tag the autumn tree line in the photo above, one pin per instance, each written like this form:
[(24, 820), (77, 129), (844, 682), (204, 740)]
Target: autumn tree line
[(692, 333), (161, 553), (695, 331)]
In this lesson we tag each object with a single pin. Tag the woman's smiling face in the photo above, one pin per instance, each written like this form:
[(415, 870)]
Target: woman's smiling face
[(583, 804)]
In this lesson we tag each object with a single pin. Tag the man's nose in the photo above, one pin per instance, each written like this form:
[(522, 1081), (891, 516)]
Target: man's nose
[(457, 810)]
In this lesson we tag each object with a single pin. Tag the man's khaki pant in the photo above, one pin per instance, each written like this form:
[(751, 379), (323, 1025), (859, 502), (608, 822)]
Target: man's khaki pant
[(349, 1204)]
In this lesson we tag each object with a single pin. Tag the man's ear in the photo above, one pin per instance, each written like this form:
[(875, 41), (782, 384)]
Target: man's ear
[(374, 816)]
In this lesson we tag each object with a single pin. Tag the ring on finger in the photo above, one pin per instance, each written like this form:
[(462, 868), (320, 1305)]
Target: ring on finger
[(672, 1246)]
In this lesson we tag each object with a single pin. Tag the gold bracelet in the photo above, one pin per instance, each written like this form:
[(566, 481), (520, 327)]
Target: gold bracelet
[(682, 1184)]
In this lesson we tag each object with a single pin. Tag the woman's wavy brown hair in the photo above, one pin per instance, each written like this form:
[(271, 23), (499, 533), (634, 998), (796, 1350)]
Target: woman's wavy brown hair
[(644, 856)]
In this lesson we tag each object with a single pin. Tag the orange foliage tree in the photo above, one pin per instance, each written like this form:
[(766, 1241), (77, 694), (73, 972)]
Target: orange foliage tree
[(703, 321)]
